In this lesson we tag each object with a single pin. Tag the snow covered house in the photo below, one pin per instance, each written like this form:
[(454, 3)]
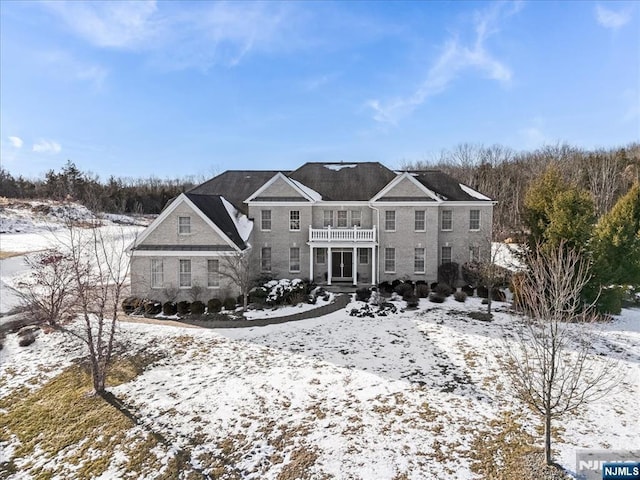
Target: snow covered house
[(357, 223)]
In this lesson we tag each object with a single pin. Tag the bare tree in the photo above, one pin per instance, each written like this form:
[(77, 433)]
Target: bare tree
[(551, 364), (238, 269), (602, 175), (83, 278)]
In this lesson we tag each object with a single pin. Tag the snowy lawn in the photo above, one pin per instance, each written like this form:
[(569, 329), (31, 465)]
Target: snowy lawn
[(417, 394)]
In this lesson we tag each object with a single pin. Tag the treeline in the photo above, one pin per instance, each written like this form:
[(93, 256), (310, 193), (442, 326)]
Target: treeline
[(505, 175), (116, 195)]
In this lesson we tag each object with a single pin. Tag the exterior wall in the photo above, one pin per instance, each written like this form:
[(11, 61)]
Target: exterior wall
[(405, 240), (280, 188), (366, 214), (166, 233), (406, 188), (460, 238), (141, 279)]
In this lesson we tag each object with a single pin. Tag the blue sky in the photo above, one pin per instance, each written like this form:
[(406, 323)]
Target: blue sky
[(194, 88)]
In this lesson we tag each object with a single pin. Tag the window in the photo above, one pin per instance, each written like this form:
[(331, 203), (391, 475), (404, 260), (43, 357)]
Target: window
[(265, 259), (328, 218), (213, 273), (474, 253), (294, 220), (321, 256), (184, 225), (157, 273), (418, 260), (185, 274), (356, 218), (390, 220), (294, 259), (446, 255), (446, 220), (419, 221), (265, 223), (363, 256), (342, 218), (474, 220), (390, 260)]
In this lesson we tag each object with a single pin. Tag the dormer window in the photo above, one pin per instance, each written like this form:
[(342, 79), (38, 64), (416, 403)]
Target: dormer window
[(184, 225)]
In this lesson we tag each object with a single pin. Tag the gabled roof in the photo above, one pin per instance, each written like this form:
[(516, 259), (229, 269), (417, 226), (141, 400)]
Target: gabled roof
[(344, 181), (213, 207), (235, 185), (408, 177), (305, 192), (447, 186)]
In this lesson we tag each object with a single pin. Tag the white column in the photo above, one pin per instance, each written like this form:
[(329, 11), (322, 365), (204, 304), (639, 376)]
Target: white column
[(373, 266), (311, 263), (354, 263), (329, 266)]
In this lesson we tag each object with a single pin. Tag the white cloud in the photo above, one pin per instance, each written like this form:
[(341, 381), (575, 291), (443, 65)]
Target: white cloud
[(454, 60), (16, 142), (612, 19), (46, 146)]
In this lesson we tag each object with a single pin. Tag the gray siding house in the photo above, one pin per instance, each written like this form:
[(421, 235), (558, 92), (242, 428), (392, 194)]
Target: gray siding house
[(354, 223)]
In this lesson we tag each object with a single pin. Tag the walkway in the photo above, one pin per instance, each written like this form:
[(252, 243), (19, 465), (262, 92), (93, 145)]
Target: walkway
[(340, 302)]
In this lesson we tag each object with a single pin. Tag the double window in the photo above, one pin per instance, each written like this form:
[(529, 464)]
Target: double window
[(294, 259), (213, 273), (389, 260), (294, 220), (185, 274), (265, 220), (419, 260), (390, 220), (157, 273), (447, 220), (184, 225), (265, 259), (474, 220), (419, 224)]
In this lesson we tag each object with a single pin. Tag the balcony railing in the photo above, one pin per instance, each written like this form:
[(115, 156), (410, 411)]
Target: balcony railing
[(330, 234)]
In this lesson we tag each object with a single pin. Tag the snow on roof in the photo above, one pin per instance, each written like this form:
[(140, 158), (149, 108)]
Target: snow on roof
[(308, 191), (336, 167), (473, 193), (242, 223)]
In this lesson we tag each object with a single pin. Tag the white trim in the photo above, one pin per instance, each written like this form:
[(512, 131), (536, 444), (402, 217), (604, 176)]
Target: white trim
[(399, 178), (288, 181), (467, 203), (182, 198), (183, 253)]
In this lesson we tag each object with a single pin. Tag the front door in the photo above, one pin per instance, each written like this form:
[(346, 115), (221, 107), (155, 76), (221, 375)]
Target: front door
[(342, 264)]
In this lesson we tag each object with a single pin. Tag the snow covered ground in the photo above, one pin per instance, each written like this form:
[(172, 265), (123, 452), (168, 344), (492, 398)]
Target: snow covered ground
[(366, 398)]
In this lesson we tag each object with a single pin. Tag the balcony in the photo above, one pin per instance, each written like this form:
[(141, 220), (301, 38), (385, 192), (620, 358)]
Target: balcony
[(354, 234)]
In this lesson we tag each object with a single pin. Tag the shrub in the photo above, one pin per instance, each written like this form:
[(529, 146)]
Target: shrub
[(412, 300), (283, 291), (257, 295), (460, 296), (482, 316), (443, 289), (197, 308), (130, 304), (363, 294), (214, 305), (610, 300), (471, 273), (296, 298), (433, 285), (436, 298), (26, 339), (229, 303), (385, 288), (422, 290), (403, 289), (395, 283), (184, 307), (468, 289), (151, 307), (482, 291), (448, 273), (169, 308)]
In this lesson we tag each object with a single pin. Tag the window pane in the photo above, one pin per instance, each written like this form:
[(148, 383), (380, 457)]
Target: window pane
[(418, 263), (213, 273), (294, 220), (389, 259), (356, 218), (321, 256), (390, 220), (157, 273), (446, 255), (419, 223), (294, 259), (185, 273), (184, 225), (342, 218), (474, 220), (446, 220), (265, 259), (364, 256), (266, 220), (328, 218)]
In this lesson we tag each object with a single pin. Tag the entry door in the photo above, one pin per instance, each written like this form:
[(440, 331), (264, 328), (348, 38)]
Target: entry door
[(342, 264)]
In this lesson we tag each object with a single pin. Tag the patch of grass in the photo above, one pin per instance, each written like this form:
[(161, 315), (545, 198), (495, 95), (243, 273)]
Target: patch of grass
[(71, 433), (300, 461), (5, 254)]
